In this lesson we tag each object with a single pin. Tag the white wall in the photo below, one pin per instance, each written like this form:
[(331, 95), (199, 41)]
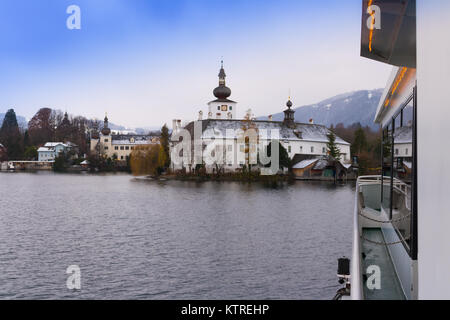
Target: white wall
[(219, 114), (304, 147), (295, 149), (46, 156), (433, 67), (404, 150)]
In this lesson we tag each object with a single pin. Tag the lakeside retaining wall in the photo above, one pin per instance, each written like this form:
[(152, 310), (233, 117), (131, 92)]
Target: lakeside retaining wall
[(26, 165)]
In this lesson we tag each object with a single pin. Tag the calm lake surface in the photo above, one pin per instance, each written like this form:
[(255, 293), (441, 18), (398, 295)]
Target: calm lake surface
[(170, 239)]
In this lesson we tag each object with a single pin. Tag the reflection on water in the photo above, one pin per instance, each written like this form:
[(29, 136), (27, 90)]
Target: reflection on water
[(169, 239)]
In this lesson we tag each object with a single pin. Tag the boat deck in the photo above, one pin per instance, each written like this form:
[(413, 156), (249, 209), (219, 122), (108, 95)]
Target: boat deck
[(379, 255)]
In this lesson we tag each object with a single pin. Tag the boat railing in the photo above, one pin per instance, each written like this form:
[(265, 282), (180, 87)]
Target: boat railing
[(356, 279), (356, 289), (399, 186)]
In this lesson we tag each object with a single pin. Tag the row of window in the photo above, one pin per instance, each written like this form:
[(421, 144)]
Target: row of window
[(224, 108), (124, 148), (397, 152), (46, 155), (324, 150), (121, 148)]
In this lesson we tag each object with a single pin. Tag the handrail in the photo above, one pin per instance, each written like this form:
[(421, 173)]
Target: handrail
[(356, 272), (399, 185), (356, 279), (356, 291)]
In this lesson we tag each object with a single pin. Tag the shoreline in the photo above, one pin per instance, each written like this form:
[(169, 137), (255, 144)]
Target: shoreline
[(194, 178)]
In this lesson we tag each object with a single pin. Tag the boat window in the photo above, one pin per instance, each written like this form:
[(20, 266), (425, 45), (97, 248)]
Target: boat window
[(399, 177), (403, 166), (387, 169)]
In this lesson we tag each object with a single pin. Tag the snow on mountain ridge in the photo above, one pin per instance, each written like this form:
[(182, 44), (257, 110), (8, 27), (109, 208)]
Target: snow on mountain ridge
[(348, 108)]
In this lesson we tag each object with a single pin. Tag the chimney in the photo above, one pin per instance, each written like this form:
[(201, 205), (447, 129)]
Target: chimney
[(270, 118), (174, 126), (311, 121), (200, 116), (248, 114)]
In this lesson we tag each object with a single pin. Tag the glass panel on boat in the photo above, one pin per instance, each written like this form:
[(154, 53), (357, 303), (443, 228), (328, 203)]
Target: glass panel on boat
[(387, 169), (402, 174)]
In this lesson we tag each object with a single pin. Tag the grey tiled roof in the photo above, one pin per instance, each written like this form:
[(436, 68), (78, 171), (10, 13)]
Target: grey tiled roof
[(302, 132), (126, 139)]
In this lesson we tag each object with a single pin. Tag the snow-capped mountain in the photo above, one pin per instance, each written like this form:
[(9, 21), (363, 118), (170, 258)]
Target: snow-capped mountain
[(348, 108)]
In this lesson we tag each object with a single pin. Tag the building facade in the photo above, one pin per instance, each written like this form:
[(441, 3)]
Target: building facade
[(306, 139), (117, 145), (52, 149)]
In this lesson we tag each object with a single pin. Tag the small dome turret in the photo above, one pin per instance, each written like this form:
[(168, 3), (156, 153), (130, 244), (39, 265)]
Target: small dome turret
[(289, 115), (106, 130)]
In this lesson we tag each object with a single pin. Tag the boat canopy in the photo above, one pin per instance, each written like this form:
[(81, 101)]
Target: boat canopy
[(397, 91)]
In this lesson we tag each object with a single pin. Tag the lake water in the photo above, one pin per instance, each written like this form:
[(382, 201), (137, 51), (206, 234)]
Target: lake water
[(170, 239)]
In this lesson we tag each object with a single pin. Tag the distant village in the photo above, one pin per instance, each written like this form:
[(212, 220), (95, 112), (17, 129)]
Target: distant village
[(310, 151)]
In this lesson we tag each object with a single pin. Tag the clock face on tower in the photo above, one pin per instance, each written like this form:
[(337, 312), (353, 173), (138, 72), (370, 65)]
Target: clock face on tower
[(224, 108)]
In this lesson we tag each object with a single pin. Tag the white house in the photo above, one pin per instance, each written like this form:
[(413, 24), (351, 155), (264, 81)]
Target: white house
[(403, 142), (51, 150)]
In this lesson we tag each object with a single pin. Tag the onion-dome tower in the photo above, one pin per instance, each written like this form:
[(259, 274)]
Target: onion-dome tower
[(222, 107), (94, 132), (222, 91), (106, 130)]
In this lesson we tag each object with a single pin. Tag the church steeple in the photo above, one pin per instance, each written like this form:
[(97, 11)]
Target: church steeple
[(222, 91), (106, 130), (222, 107), (222, 75)]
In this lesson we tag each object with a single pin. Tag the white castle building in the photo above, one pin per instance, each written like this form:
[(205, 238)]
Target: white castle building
[(301, 140)]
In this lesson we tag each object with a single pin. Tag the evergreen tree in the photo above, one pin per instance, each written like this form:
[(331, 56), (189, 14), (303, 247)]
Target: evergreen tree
[(283, 156), (64, 129), (10, 136), (60, 163), (333, 150), (165, 145), (360, 142), (30, 153), (26, 139)]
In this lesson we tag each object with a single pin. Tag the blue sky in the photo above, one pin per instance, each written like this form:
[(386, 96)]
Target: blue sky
[(146, 62)]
